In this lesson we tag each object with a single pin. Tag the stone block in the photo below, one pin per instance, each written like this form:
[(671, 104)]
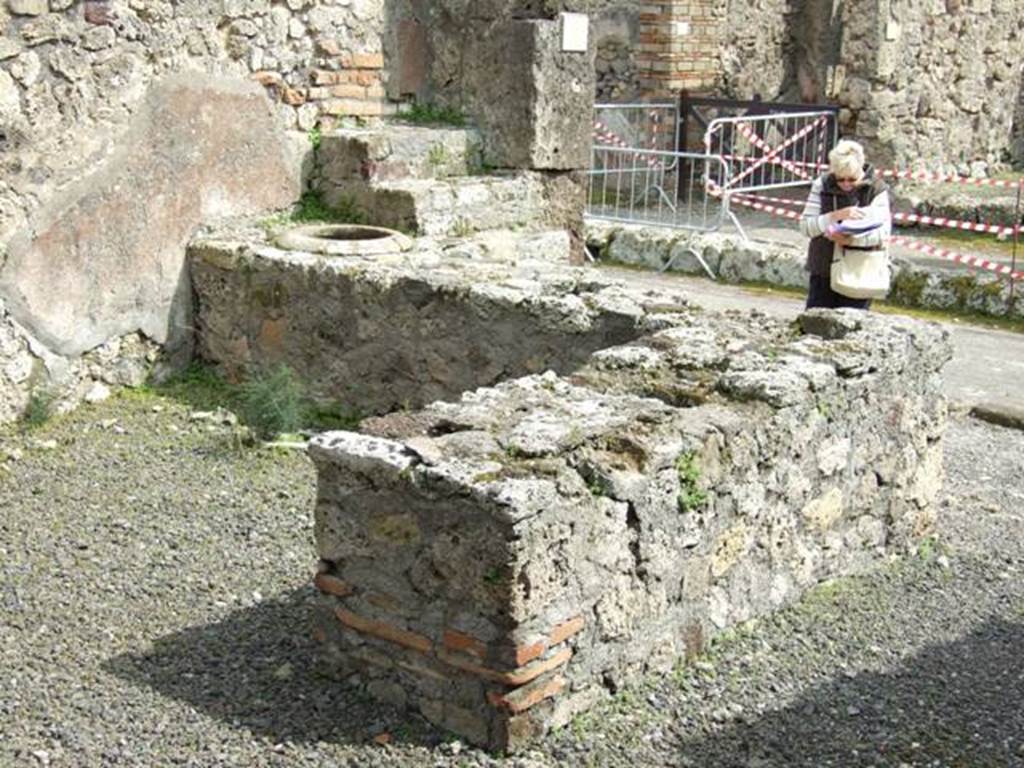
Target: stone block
[(531, 100), (460, 206), (414, 179), (400, 152), (28, 7)]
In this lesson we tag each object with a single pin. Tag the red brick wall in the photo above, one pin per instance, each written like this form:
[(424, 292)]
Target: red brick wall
[(356, 88), (679, 42)]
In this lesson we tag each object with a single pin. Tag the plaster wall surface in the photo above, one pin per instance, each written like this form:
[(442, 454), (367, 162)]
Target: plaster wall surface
[(932, 84), (107, 258)]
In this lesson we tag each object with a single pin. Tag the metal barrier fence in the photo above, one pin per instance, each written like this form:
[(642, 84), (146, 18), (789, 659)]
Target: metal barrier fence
[(697, 112), (772, 151), (636, 179), (640, 174), (642, 125), (667, 189)]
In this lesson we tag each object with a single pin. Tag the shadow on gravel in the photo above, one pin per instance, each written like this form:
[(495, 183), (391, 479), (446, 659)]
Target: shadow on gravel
[(958, 704), (256, 669)]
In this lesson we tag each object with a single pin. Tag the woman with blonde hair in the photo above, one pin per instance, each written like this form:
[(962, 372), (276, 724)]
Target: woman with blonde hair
[(848, 192)]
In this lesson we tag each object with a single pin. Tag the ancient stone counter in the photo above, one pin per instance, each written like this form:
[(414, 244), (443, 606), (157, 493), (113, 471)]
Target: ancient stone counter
[(382, 333), (501, 562)]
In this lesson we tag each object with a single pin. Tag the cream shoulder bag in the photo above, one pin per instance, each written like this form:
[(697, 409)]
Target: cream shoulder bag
[(859, 273)]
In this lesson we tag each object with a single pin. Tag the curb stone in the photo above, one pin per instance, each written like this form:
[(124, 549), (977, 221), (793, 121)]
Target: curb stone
[(1002, 415)]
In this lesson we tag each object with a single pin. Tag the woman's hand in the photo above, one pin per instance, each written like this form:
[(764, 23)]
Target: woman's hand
[(851, 212), (841, 238)]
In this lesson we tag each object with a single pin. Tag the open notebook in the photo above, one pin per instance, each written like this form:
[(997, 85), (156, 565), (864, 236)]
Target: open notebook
[(870, 222)]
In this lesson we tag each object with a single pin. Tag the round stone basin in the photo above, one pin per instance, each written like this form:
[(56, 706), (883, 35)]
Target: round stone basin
[(344, 240)]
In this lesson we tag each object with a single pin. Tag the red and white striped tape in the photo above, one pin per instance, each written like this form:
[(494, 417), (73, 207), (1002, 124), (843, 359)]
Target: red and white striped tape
[(913, 218), (772, 209), (962, 258), (774, 153), (967, 226), (764, 146), (895, 173), (605, 135), (768, 199), (776, 161), (655, 127), (914, 245), (888, 173)]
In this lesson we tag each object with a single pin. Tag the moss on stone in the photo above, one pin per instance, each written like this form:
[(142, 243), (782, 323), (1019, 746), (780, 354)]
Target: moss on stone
[(908, 287), (690, 494), (604, 251), (962, 287)]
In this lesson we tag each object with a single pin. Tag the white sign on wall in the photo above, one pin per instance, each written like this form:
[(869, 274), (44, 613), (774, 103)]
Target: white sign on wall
[(575, 31)]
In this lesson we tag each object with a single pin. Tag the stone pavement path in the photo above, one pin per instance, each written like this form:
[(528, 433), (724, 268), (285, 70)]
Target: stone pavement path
[(987, 369)]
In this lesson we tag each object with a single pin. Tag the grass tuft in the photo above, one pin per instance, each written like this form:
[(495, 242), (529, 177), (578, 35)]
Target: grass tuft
[(312, 209), (433, 114), (690, 495), (271, 402), (40, 408)]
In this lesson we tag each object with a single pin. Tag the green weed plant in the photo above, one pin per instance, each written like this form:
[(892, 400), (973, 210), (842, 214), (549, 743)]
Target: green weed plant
[(690, 495), (40, 408), (311, 209), (434, 114), (271, 402)]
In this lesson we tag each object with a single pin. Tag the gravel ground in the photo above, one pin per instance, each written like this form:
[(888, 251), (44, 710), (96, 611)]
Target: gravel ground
[(154, 595)]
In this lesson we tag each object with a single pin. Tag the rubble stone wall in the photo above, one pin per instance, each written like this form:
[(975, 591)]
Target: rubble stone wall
[(641, 476), (209, 109), (925, 83), (30, 371), (375, 337), (1017, 148), (72, 73), (122, 126), (757, 49), (616, 37), (503, 562), (932, 84)]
